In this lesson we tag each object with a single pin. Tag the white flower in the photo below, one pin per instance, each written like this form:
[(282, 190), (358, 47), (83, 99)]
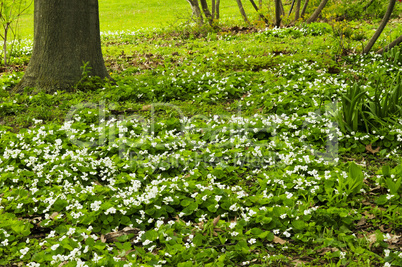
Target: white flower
[(54, 247), (96, 258), (252, 241)]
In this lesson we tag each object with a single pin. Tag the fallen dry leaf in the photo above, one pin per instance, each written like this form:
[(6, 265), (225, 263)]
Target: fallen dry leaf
[(146, 107), (279, 240), (362, 221), (216, 220), (112, 237), (370, 149)]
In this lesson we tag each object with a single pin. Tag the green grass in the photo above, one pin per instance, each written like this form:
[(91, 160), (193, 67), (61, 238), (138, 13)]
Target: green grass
[(118, 15)]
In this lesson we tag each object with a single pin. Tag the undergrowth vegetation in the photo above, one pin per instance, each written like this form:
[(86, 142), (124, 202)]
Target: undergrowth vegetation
[(243, 147)]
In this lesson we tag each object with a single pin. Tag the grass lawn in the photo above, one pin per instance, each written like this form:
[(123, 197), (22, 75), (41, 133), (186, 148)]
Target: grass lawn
[(239, 147), (119, 15)]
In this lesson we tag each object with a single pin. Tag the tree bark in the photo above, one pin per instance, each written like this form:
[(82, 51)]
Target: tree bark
[(297, 11), (242, 12), (304, 8), (278, 12), (206, 11), (381, 27), (195, 7), (213, 9), (218, 3), (66, 35), (396, 42), (317, 12)]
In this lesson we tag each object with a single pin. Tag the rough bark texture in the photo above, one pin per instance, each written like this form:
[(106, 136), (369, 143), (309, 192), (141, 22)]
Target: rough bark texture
[(381, 27), (66, 35), (317, 12), (242, 12)]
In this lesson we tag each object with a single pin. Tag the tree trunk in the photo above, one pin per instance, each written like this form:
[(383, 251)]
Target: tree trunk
[(206, 11), (218, 3), (260, 4), (381, 27), (242, 12), (396, 42), (213, 9), (66, 35), (291, 7), (304, 8), (261, 15), (297, 11), (282, 9), (278, 12), (317, 12), (195, 7)]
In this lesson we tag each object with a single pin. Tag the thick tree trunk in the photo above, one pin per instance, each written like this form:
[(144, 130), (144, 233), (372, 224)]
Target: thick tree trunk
[(242, 12), (317, 12), (66, 35), (304, 8), (381, 27), (195, 7), (278, 12), (297, 11)]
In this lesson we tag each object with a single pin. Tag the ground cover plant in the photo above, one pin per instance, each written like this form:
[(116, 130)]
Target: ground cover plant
[(235, 147)]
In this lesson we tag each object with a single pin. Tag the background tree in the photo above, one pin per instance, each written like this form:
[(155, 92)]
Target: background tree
[(278, 12), (10, 12), (381, 27), (66, 35), (196, 11), (317, 12), (242, 12), (261, 15)]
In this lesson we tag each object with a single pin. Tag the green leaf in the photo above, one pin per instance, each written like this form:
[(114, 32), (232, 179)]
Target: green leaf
[(198, 239)]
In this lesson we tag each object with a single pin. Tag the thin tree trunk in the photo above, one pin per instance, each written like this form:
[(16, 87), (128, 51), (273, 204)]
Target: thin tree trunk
[(261, 15), (242, 12), (206, 11), (291, 7), (218, 3), (297, 11), (195, 7), (260, 4), (5, 43), (381, 27), (396, 42), (317, 12), (277, 13), (304, 8), (282, 9), (213, 9)]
